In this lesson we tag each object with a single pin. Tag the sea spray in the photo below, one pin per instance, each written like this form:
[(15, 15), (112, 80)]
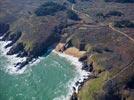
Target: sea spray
[(46, 80), (82, 75), (13, 59)]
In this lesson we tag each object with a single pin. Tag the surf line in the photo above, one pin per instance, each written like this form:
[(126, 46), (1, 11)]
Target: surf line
[(82, 76), (12, 60)]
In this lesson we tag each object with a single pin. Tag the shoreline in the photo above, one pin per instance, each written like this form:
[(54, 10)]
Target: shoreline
[(73, 85), (13, 60), (79, 79)]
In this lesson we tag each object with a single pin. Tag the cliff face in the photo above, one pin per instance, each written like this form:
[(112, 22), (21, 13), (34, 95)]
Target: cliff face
[(109, 47), (39, 23), (37, 33), (101, 28)]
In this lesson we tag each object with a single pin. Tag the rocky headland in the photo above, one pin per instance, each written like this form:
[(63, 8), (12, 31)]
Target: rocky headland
[(98, 32)]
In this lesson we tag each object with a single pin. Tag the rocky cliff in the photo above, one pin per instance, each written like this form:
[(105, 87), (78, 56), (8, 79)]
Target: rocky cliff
[(103, 29)]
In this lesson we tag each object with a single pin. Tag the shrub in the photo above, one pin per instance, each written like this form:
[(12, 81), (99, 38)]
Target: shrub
[(72, 15), (120, 1), (49, 8), (3, 28), (114, 13), (72, 1), (124, 23)]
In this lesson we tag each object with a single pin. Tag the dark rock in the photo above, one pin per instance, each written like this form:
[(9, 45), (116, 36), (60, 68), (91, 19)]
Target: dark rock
[(84, 79), (91, 67), (74, 96), (77, 83), (13, 37), (19, 63), (16, 49), (29, 59), (83, 58), (8, 45), (87, 67), (23, 64), (74, 89), (22, 54), (81, 84), (5, 36)]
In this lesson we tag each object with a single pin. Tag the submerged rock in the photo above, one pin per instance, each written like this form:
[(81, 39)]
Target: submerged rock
[(16, 49), (74, 96), (22, 64)]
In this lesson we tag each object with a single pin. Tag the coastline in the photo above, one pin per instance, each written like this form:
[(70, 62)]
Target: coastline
[(13, 60), (79, 80), (73, 85)]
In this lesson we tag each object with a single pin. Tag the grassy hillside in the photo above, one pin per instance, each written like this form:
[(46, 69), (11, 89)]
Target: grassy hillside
[(102, 28)]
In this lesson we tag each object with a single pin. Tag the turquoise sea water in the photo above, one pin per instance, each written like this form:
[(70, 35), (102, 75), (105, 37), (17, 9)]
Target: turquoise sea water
[(48, 79)]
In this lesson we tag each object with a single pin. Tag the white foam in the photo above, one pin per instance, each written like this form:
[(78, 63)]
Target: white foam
[(1, 37), (82, 74), (12, 59)]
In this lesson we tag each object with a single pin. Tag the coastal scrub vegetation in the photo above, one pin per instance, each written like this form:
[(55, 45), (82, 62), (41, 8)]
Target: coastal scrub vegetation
[(3, 28), (114, 13), (120, 1), (72, 1), (111, 51), (49, 8), (92, 87), (72, 15), (109, 14), (124, 23)]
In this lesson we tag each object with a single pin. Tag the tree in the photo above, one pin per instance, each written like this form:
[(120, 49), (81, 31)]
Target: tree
[(72, 15)]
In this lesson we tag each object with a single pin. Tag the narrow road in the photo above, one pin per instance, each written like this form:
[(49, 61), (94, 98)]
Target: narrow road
[(125, 68), (113, 28), (101, 24), (81, 14), (121, 71), (74, 9)]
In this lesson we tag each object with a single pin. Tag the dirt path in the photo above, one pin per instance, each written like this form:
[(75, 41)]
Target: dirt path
[(125, 68), (82, 15), (101, 24), (113, 28), (74, 9)]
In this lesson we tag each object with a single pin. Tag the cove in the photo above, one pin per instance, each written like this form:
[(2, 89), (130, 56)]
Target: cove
[(50, 79)]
